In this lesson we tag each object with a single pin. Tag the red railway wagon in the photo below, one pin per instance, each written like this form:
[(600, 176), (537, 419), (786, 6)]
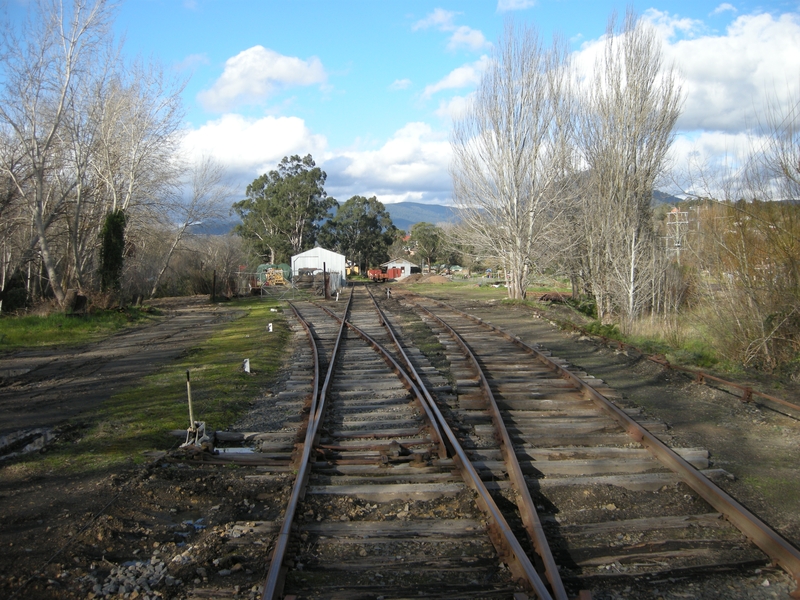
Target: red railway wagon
[(385, 274)]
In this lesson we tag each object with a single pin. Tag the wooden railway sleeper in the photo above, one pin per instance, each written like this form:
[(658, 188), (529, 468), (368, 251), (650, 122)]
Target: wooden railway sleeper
[(506, 547), (771, 543), (525, 503)]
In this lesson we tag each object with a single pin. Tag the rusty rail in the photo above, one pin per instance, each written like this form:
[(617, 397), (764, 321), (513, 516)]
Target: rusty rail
[(771, 543), (274, 583), (700, 376), (500, 532), (527, 509), (436, 433)]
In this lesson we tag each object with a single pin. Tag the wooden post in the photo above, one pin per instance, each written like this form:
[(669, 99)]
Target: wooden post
[(325, 290), (214, 287), (189, 394)]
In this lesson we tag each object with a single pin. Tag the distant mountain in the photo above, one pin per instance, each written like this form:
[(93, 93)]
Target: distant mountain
[(215, 227), (660, 197), (406, 214)]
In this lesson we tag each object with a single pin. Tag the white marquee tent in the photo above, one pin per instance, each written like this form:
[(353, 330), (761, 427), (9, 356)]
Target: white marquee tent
[(315, 258)]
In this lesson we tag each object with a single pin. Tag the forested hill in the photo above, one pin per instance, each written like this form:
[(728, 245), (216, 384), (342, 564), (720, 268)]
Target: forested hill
[(405, 214)]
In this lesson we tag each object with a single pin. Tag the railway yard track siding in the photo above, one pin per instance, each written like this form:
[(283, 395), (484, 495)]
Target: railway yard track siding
[(410, 450)]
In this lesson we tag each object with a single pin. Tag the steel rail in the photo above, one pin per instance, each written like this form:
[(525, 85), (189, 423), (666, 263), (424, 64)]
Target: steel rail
[(504, 539), (700, 376), (438, 439), (771, 543), (275, 576), (527, 509)]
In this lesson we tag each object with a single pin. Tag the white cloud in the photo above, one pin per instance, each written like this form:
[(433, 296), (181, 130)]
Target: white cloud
[(464, 76), (504, 5), (254, 74), (711, 148), (455, 107), (727, 78), (400, 84), (462, 36), (466, 37), (412, 165), (250, 147), (669, 26), (724, 7), (709, 163), (440, 19), (192, 61)]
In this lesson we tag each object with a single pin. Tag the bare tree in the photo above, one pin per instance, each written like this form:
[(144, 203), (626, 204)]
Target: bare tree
[(745, 238), (41, 65), (84, 205), (629, 111), (779, 156), (140, 131), (511, 153), (208, 198)]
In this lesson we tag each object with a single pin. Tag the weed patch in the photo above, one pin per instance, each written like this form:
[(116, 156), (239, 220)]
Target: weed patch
[(585, 305), (139, 419), (65, 330), (608, 330), (694, 352)]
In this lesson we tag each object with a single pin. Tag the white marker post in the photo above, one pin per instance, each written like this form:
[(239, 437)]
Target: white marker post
[(189, 394)]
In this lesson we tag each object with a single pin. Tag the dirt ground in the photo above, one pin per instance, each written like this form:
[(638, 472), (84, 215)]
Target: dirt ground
[(42, 388), (757, 442), (170, 530)]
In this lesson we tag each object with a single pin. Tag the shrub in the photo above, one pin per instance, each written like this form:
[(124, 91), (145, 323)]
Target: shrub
[(608, 330), (585, 305)]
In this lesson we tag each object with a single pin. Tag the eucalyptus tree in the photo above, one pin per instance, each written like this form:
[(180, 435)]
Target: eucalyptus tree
[(284, 208), (362, 230), (512, 153), (427, 240), (629, 109)]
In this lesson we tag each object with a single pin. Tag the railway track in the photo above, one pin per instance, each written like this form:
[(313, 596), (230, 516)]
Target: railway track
[(614, 501), (382, 510), (513, 476)]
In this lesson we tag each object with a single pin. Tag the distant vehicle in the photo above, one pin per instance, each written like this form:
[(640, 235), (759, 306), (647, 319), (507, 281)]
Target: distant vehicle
[(385, 274)]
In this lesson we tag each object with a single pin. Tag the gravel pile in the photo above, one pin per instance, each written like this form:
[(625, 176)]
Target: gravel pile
[(135, 578)]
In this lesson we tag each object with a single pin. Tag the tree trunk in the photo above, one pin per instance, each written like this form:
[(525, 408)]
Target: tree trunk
[(47, 257), (163, 270)]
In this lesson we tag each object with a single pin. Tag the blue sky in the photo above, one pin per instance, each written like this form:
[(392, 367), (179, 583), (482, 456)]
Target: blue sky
[(368, 87)]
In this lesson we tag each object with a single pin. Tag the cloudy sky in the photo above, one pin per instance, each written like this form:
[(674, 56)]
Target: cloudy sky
[(368, 87)]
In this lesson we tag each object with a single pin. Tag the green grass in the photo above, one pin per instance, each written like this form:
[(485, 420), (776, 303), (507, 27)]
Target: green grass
[(692, 350), (139, 419), (63, 330), (606, 330), (462, 290)]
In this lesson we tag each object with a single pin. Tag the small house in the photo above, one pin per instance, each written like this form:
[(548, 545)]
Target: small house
[(405, 267)]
